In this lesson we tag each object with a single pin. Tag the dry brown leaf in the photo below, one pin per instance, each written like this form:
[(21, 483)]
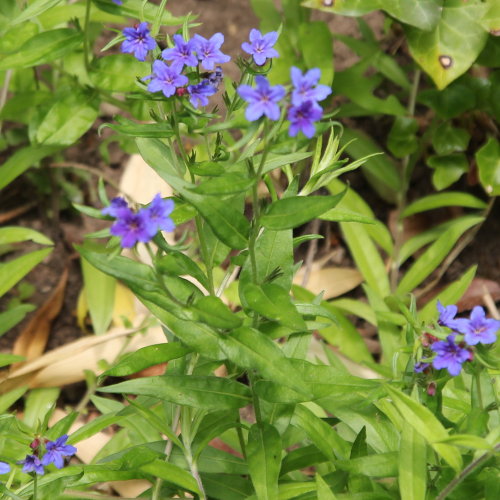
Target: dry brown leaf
[(334, 281), (33, 339), (474, 295)]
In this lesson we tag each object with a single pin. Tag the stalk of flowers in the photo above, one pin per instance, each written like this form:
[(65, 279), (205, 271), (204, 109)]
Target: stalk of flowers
[(141, 226), (450, 353)]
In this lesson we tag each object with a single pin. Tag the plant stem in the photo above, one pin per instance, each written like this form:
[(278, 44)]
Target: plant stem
[(398, 237), (35, 486), (86, 51), (473, 465)]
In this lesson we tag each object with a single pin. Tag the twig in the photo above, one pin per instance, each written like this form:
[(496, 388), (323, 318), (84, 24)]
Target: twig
[(490, 303), (12, 214), (87, 168)]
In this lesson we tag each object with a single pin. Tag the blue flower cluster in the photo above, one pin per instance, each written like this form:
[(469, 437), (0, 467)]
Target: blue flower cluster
[(143, 225), (476, 330), (55, 451)]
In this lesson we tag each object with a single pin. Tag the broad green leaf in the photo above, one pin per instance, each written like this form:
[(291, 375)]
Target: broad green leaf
[(488, 163), (208, 393), (288, 213), (412, 465), (8, 359), (226, 487), (447, 169), (13, 38), (450, 295), (450, 102), (172, 474), (43, 48), (435, 254), (147, 356), (378, 465), (426, 424), (468, 441), (212, 311), (320, 433), (250, 349), (224, 185), (99, 289), (107, 72), (490, 20), (94, 426), (34, 9), (423, 14), (131, 128), (340, 215), (300, 458), (68, 119), (13, 234), (447, 139), (158, 156), (280, 160), (9, 398), (264, 460), (452, 46), (275, 303), (344, 7), (23, 159), (14, 270), (448, 199), (287, 491), (379, 170), (402, 139), (38, 403), (177, 264), (323, 490), (316, 45)]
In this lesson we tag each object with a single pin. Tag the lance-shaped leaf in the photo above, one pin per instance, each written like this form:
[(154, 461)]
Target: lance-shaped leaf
[(212, 311), (488, 163), (275, 303), (264, 460), (412, 465), (291, 212), (207, 393)]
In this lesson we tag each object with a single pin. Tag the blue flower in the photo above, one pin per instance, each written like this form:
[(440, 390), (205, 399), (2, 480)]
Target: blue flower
[(138, 41), (261, 46), (262, 100), (181, 55), (199, 94), (447, 316), (420, 367), (56, 450), (118, 2), (209, 52), (117, 206), (215, 78), (32, 464), (165, 79), (306, 88), (4, 468), (302, 118), (449, 355), (131, 228), (478, 329), (156, 215)]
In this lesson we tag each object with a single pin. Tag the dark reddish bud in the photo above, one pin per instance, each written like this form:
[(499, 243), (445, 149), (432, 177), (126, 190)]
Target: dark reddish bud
[(471, 356), (181, 91), (431, 389), (35, 444), (428, 339)]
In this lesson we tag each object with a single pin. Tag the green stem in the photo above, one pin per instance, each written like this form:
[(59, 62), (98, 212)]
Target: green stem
[(470, 468), (159, 13), (35, 486), (477, 376), (86, 49), (398, 237)]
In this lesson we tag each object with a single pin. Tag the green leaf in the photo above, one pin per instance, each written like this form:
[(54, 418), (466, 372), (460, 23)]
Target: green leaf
[(323, 490), (454, 100), (468, 441), (147, 356), (402, 139), (264, 460), (279, 160), (34, 9), (447, 169), (452, 46), (14, 270), (172, 474), (68, 119), (224, 185), (447, 139), (412, 465), (43, 48), (107, 72), (379, 465), (344, 7), (448, 199), (320, 433), (213, 312), (288, 213), (8, 359), (250, 349), (13, 234), (435, 254), (316, 45), (488, 163), (23, 159), (426, 424), (423, 14), (131, 128), (9, 398), (275, 303), (99, 289), (177, 264), (340, 215), (207, 393), (94, 426)]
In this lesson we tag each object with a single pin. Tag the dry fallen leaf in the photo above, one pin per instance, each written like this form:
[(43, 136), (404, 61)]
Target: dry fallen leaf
[(33, 339), (474, 295)]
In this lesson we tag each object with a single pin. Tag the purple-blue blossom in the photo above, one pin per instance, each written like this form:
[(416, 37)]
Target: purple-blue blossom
[(57, 450), (118, 2), (131, 228), (181, 55), (262, 100), (32, 464), (306, 86), (4, 468), (303, 117), (157, 214), (260, 46), (138, 41), (478, 329), (420, 366), (199, 94), (208, 51), (449, 355), (165, 79), (447, 316), (117, 206)]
